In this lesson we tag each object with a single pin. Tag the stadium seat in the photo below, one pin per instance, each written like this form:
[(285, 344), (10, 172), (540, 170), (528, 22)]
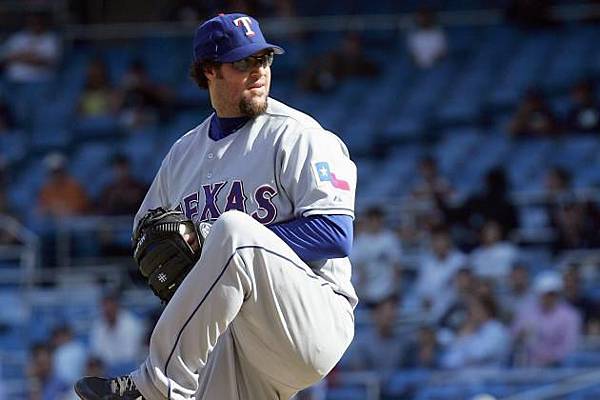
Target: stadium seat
[(98, 126), (90, 164), (346, 393), (13, 146), (584, 359)]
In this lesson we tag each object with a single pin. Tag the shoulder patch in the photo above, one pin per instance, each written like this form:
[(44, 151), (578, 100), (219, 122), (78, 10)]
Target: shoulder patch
[(325, 175)]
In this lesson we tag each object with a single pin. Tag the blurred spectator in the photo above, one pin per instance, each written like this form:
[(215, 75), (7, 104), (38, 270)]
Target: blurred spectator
[(491, 204), (425, 352), (431, 183), (584, 115), (436, 269), (482, 341), (379, 348), (577, 222), (588, 308), (42, 382), (69, 356), (124, 194), (98, 98), (6, 235), (485, 287), (454, 312), (142, 102), (577, 225), (116, 335), (517, 295), (557, 185), (326, 72), (495, 256), (427, 43), (32, 54), (94, 367), (7, 121), (533, 117), (61, 195), (376, 257), (548, 329)]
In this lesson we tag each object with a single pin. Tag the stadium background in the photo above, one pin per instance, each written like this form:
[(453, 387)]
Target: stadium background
[(457, 116)]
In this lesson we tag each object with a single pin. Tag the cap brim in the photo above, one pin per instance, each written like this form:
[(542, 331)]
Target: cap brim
[(247, 51)]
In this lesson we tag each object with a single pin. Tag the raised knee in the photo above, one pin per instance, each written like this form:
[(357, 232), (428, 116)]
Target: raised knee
[(233, 221)]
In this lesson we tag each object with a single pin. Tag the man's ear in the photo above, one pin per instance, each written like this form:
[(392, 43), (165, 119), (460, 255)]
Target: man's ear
[(211, 72)]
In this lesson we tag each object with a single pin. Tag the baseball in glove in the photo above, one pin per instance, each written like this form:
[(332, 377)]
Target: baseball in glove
[(166, 245)]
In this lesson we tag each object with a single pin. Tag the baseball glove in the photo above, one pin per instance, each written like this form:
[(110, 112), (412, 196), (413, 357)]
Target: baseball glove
[(166, 245)]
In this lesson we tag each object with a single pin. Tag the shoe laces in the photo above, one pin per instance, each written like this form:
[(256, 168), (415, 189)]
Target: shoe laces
[(122, 384)]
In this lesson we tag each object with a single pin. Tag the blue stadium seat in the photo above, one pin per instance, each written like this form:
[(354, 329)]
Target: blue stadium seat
[(427, 89), (90, 164), (583, 359), (119, 57), (27, 98), (592, 393), (575, 152), (465, 99), (13, 365), (367, 175), (140, 147), (50, 125), (13, 145), (404, 127), (189, 95), (14, 313), (97, 126), (447, 392), (72, 76), (404, 383), (523, 68), (24, 189), (528, 158), (167, 59), (536, 259), (454, 146), (353, 392), (358, 135), (570, 56), (44, 139)]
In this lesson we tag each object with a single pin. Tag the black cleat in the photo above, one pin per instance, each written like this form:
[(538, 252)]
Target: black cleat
[(119, 388)]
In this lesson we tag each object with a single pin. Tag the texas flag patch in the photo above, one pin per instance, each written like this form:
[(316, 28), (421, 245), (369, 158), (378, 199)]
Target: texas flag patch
[(326, 175)]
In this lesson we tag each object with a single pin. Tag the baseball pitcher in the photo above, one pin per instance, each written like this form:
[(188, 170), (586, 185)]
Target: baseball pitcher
[(244, 233)]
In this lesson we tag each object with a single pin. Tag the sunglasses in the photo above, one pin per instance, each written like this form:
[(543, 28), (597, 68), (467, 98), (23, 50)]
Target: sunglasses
[(249, 63)]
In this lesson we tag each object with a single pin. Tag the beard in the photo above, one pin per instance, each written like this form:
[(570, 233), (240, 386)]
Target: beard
[(251, 108)]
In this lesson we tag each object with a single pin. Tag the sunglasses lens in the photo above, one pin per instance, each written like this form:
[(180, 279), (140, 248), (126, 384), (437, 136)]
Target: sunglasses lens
[(246, 64), (268, 59), (243, 65)]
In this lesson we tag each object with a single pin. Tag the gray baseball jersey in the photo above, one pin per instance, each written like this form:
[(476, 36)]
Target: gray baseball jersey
[(279, 166), (251, 320)]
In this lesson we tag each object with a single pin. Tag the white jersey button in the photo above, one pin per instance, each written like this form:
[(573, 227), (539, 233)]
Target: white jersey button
[(209, 175), (210, 155)]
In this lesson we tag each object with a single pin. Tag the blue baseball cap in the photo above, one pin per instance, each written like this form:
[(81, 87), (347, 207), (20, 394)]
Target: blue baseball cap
[(229, 38)]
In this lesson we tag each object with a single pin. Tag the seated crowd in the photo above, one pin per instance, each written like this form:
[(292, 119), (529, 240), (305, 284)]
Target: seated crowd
[(460, 295)]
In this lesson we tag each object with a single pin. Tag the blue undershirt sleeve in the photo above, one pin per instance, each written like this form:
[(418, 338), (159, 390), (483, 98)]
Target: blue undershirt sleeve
[(317, 237)]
